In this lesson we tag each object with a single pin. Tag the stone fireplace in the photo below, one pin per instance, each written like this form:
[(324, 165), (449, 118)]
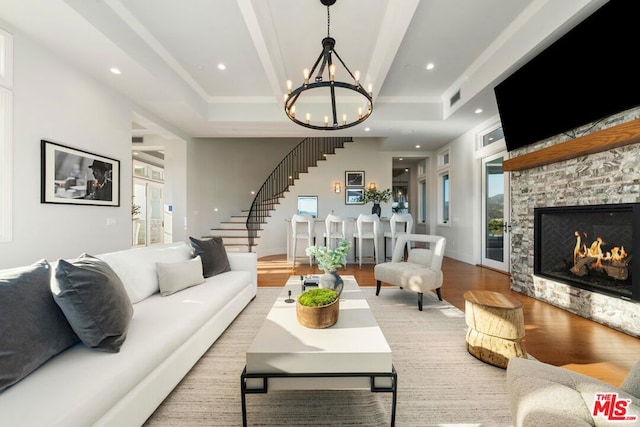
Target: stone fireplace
[(610, 179)]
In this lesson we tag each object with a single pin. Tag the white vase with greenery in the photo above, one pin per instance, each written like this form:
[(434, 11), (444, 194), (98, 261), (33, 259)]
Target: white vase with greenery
[(330, 260)]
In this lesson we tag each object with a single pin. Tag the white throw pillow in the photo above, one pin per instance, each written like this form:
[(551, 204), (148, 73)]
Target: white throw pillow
[(137, 267), (176, 276)]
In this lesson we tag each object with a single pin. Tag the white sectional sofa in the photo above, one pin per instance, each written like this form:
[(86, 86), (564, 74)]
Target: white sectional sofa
[(166, 336)]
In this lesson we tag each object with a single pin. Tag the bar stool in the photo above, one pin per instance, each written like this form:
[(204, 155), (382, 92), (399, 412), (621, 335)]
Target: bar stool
[(302, 227), (335, 229), (405, 220), (367, 227)]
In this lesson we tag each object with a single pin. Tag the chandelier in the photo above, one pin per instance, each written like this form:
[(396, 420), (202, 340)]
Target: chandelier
[(330, 114)]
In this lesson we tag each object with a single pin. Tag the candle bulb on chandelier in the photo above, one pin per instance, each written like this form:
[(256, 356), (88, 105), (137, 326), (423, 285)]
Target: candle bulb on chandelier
[(332, 72), (359, 112), (308, 118), (357, 77), (305, 72), (344, 119), (289, 86), (326, 120), (370, 89), (293, 112)]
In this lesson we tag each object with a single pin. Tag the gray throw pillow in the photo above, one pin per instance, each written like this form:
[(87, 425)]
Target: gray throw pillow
[(33, 329), (94, 301), (213, 254)]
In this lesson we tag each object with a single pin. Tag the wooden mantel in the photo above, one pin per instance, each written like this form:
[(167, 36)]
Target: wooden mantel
[(606, 139)]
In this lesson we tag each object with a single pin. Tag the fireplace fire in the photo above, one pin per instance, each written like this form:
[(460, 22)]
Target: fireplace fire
[(589, 247), (614, 263)]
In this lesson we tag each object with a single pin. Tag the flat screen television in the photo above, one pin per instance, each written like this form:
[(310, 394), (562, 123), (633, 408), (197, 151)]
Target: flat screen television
[(586, 75)]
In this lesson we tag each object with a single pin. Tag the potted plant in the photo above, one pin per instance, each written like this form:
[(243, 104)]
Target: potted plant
[(330, 260), (376, 196), (135, 211), (318, 308)]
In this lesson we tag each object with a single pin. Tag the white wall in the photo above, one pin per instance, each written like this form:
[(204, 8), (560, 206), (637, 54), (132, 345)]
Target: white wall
[(223, 172), (55, 102)]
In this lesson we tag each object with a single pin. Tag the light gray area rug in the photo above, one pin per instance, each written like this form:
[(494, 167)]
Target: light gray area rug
[(439, 382)]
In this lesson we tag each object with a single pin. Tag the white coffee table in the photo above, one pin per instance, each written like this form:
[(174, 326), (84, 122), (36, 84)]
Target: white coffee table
[(352, 354)]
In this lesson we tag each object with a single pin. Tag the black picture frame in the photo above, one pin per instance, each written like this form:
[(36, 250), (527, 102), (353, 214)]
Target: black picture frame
[(354, 178), (72, 176), (353, 196)]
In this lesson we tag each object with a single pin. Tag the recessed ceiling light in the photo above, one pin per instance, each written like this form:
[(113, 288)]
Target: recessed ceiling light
[(115, 70), (400, 158), (222, 67), (478, 111), (367, 129), (430, 66), (417, 146)]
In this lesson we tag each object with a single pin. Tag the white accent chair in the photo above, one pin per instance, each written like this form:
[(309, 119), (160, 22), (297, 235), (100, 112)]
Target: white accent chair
[(302, 228), (403, 220), (335, 229), (367, 228), (421, 272)]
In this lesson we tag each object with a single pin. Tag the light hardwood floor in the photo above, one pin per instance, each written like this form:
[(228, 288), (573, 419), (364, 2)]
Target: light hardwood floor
[(553, 335)]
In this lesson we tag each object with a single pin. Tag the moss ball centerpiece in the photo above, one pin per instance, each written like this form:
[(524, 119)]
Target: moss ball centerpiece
[(318, 308)]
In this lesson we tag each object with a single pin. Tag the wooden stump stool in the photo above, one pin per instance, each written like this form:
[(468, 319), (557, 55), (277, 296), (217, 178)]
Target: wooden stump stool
[(496, 327)]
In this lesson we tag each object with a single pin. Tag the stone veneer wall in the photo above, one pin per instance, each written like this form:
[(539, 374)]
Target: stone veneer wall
[(603, 178)]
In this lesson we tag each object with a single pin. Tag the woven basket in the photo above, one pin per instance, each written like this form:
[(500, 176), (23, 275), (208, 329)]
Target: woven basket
[(318, 317)]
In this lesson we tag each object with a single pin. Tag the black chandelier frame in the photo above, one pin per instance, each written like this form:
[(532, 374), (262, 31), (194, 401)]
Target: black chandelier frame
[(325, 60)]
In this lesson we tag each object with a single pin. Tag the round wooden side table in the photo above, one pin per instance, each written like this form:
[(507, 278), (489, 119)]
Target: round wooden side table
[(496, 327)]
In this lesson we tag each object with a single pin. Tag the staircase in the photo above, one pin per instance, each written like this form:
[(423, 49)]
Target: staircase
[(240, 234), (304, 155), (234, 233)]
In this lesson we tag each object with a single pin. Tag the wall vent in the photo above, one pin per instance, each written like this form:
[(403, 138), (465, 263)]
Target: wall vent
[(455, 98), (137, 139)]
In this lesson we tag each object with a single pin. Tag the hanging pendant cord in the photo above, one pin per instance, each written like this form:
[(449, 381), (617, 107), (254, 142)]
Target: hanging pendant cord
[(328, 21)]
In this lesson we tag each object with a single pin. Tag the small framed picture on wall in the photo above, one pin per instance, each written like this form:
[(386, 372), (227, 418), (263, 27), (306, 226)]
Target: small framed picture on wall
[(353, 196), (354, 179)]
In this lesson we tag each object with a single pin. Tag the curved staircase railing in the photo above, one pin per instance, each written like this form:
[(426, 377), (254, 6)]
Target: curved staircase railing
[(304, 155)]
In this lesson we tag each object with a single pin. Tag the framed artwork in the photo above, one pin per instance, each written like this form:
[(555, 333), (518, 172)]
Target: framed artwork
[(354, 179), (77, 177), (353, 196)]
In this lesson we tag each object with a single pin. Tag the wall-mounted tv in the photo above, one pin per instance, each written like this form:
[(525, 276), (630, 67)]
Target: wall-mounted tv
[(586, 75)]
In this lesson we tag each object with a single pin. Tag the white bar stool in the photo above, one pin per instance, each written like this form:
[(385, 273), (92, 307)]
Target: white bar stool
[(404, 220), (302, 228), (367, 227)]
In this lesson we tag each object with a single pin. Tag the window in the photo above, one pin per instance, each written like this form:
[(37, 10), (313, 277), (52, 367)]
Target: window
[(490, 141), (493, 136), (422, 190), (444, 198), (443, 159), (6, 138)]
